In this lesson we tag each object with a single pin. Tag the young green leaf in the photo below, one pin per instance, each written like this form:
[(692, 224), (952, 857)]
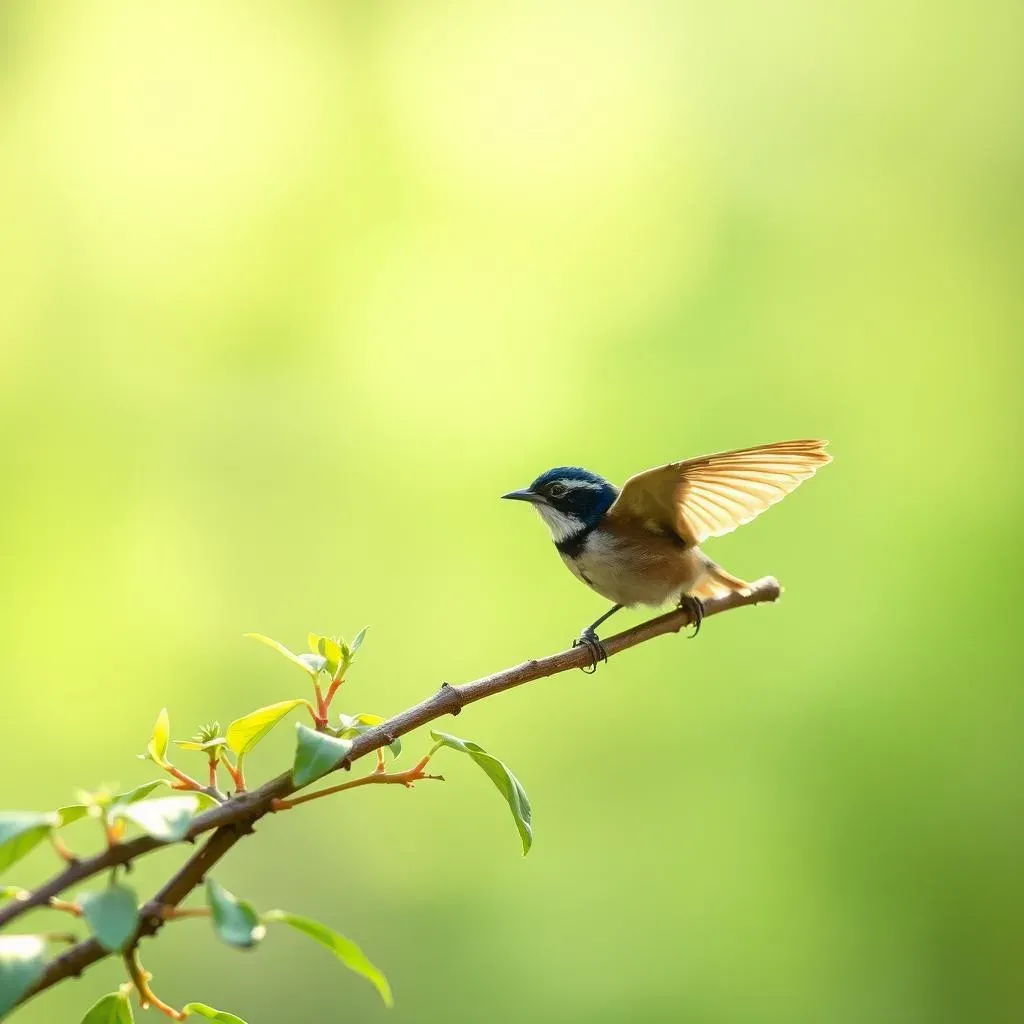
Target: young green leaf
[(316, 663), (112, 1008), (234, 920), (355, 725), (207, 745), (316, 754), (12, 892), (156, 749), (21, 964), (166, 818), (295, 659), (508, 785), (21, 831), (112, 915), (358, 642), (138, 793), (95, 800), (71, 812), (330, 651), (344, 949), (327, 649), (221, 1016), (245, 732)]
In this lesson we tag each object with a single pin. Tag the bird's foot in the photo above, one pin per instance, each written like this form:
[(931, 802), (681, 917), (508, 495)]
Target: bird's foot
[(589, 639), (695, 606)]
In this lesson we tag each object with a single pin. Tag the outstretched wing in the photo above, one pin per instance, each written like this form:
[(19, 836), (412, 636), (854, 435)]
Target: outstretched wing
[(714, 494)]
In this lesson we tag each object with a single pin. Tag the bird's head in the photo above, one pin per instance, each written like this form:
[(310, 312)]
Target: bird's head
[(570, 500)]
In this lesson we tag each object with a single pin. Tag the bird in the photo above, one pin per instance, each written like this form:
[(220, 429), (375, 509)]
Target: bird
[(641, 544)]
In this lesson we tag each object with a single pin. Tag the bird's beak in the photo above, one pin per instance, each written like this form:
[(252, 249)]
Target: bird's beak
[(524, 495)]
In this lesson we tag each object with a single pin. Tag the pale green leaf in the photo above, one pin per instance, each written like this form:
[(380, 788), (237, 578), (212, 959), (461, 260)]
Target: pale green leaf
[(234, 920), (157, 746), (358, 641), (166, 818), (355, 725), (344, 949), (97, 799), (330, 651), (295, 659), (13, 892), (244, 733), (316, 754), (71, 812), (508, 785), (113, 1008), (210, 746), (21, 832), (112, 915), (222, 1016), (21, 965), (138, 793), (316, 663)]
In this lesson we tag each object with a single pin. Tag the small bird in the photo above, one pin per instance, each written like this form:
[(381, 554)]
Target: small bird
[(640, 545)]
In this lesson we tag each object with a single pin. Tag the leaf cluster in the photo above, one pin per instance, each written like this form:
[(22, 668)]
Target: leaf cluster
[(111, 913)]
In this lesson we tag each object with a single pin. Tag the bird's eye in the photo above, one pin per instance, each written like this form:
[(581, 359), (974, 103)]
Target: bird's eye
[(558, 490)]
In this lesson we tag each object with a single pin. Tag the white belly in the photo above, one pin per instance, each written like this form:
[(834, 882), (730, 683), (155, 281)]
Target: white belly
[(621, 572)]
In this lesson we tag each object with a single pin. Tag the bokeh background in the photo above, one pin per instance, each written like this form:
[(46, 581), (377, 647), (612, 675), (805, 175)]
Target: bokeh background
[(293, 291)]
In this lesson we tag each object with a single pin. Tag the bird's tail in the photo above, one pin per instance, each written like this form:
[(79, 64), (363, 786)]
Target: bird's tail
[(717, 582)]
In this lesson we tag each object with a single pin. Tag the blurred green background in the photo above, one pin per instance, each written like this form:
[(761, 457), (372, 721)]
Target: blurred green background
[(293, 291)]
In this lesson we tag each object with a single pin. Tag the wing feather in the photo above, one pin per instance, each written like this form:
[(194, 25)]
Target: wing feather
[(713, 494)]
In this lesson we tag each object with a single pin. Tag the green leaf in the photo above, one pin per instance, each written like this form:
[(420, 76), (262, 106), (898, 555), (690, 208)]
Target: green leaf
[(112, 914), (12, 892), (244, 733), (21, 831), (316, 663), (138, 793), (344, 949), (166, 818), (21, 965), (295, 659), (358, 642), (508, 785), (215, 744), (97, 799), (316, 754), (158, 740), (325, 648), (211, 1014), (110, 1009), (234, 920), (330, 651), (358, 724), (71, 812)]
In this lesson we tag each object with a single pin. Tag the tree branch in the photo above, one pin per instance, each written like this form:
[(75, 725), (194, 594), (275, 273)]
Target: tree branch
[(236, 818)]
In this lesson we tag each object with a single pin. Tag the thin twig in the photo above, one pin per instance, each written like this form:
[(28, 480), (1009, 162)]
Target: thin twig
[(378, 777), (235, 819)]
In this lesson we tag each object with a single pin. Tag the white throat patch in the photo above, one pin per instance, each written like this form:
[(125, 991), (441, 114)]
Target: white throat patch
[(562, 526)]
